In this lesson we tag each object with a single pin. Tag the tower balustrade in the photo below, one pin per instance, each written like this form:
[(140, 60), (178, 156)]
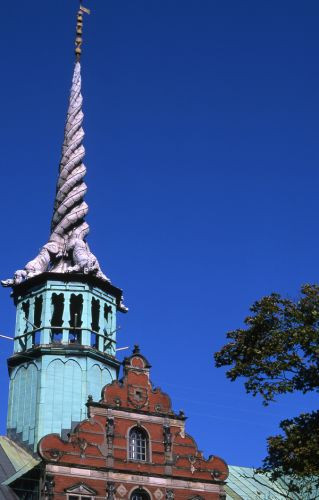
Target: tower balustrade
[(62, 314)]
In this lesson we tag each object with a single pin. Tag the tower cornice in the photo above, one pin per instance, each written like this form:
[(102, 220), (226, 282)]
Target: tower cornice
[(68, 351), (21, 289)]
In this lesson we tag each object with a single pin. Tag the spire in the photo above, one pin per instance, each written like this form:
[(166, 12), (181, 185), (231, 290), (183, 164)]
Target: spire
[(69, 206), (67, 251)]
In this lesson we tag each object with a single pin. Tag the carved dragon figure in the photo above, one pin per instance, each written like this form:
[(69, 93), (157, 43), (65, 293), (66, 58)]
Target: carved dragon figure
[(67, 251)]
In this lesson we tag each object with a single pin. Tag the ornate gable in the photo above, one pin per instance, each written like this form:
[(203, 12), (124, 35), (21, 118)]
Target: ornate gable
[(103, 439), (135, 391)]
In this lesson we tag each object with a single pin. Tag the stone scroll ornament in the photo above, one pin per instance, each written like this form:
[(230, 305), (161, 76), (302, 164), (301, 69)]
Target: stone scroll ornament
[(67, 250)]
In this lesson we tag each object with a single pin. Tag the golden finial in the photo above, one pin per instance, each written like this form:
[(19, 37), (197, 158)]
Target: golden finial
[(79, 30)]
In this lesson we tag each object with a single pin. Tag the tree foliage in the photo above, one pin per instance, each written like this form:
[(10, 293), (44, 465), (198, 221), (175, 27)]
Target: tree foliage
[(278, 353)]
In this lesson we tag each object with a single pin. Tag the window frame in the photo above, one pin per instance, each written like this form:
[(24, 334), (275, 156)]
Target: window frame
[(80, 491), (144, 431), (143, 491)]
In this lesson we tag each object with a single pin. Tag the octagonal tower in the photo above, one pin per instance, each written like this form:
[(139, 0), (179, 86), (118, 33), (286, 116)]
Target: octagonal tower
[(65, 334)]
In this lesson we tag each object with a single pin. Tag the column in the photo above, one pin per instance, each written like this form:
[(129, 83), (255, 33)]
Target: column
[(66, 318), (45, 337), (86, 314), (29, 323)]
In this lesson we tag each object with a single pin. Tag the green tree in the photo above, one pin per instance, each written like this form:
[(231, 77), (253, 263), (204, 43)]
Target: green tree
[(278, 353)]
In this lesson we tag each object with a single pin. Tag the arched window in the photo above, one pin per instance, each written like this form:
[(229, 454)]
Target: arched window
[(139, 494), (138, 445)]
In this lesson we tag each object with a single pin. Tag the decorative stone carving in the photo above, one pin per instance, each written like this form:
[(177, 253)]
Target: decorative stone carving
[(121, 490), (110, 432), (192, 460), (110, 491), (215, 474), (84, 260), (158, 494), (88, 403), (170, 495), (81, 488), (67, 251), (55, 454), (137, 395), (136, 349), (80, 443), (49, 486), (167, 438)]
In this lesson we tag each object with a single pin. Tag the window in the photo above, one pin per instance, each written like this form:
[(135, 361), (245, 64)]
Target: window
[(95, 324), (76, 309), (140, 494), (138, 445), (38, 303), (57, 301), (26, 311), (95, 314)]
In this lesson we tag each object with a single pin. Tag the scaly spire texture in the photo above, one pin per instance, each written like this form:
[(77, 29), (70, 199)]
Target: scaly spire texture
[(67, 251), (70, 207)]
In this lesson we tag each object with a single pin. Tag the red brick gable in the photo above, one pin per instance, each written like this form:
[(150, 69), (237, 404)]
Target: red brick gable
[(136, 390), (101, 443)]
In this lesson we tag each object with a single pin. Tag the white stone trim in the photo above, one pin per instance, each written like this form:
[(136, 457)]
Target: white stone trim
[(145, 481), (111, 412), (68, 496)]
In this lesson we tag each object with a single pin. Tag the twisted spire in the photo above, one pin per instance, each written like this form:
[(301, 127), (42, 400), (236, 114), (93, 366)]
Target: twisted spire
[(67, 223), (70, 207), (67, 251)]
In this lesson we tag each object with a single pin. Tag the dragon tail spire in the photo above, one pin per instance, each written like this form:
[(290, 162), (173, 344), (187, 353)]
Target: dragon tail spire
[(67, 251)]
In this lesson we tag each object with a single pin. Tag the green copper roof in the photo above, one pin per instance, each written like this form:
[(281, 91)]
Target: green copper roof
[(20, 460), (243, 484)]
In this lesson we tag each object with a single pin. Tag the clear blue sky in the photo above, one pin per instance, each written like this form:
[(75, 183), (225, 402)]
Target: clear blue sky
[(201, 120)]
